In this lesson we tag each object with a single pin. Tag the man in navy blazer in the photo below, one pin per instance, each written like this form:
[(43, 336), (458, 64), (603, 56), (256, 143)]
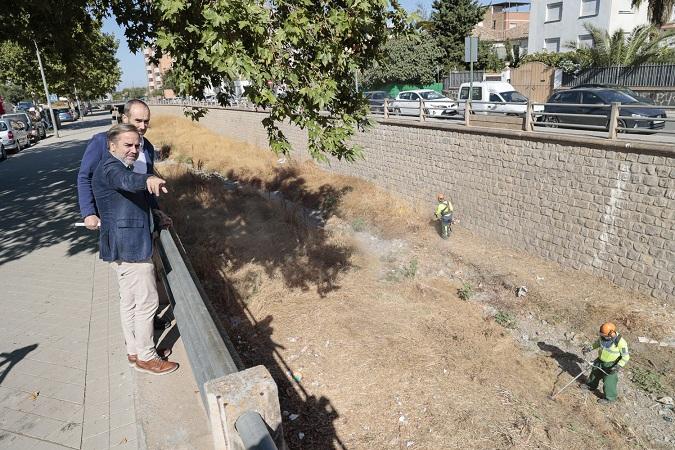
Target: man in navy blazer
[(136, 113), (123, 199)]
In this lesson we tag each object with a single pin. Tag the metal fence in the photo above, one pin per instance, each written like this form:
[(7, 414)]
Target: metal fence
[(648, 75), (615, 122), (455, 79)]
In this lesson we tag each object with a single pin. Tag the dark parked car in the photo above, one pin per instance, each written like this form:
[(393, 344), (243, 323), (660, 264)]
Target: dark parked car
[(596, 105), (376, 100), (617, 87)]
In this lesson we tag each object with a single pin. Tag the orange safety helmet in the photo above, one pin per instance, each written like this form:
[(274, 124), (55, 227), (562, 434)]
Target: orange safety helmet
[(608, 330), (440, 197)]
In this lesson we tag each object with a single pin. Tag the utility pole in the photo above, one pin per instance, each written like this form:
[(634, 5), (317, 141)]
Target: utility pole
[(77, 99), (44, 82)]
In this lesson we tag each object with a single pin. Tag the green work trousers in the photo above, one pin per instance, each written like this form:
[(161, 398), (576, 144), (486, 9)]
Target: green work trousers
[(446, 221), (609, 380)]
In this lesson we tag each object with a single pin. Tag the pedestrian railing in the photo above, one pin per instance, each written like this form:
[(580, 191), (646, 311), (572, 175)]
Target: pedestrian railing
[(614, 122), (242, 404)]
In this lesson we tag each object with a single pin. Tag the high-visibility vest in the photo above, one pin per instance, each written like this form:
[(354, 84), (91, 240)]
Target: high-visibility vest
[(618, 350), (444, 208)]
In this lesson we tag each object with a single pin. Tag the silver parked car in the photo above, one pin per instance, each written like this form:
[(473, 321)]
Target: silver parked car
[(13, 136), (35, 128)]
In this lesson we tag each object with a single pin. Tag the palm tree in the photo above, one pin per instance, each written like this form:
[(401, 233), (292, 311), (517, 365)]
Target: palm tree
[(642, 45), (659, 11)]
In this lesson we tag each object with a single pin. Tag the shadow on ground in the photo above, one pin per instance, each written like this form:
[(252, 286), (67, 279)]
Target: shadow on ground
[(38, 197), (12, 358), (569, 362), (226, 232)]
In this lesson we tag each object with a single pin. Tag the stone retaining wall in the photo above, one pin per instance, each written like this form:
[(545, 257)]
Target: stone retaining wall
[(590, 204)]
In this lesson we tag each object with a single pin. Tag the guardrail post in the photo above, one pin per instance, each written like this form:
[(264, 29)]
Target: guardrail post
[(467, 113), (386, 108), (613, 120), (232, 396), (527, 123), (421, 110)]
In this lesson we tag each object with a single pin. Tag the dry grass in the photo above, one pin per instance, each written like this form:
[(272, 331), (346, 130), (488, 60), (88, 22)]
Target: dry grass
[(372, 349), (383, 364), (347, 197)]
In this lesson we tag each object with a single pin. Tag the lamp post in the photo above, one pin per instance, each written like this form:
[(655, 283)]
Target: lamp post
[(44, 83), (77, 99)]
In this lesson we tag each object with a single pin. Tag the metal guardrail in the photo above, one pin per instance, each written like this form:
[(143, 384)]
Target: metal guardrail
[(208, 347), (534, 116)]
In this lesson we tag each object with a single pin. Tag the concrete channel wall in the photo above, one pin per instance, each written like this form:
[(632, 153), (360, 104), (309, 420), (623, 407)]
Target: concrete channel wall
[(587, 203)]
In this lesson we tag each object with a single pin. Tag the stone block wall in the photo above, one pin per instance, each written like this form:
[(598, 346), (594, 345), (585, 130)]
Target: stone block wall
[(586, 204)]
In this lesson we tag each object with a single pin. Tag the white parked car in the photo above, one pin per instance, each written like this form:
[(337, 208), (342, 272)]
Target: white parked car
[(13, 136), (435, 105), (492, 97)]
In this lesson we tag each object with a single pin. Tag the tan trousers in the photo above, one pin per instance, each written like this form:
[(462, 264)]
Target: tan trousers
[(138, 304)]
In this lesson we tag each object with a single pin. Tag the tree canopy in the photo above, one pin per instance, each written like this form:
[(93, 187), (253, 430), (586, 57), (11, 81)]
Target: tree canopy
[(642, 45), (313, 47), (407, 59), (452, 20), (659, 12), (75, 53)]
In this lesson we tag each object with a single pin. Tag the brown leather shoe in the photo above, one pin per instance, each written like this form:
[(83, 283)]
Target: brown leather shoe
[(163, 353), (156, 366)]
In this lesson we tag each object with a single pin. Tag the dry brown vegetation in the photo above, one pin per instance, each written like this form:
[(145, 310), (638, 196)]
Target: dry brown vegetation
[(348, 197), (361, 325)]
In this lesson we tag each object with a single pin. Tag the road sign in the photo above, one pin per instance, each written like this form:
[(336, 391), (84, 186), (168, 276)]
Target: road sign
[(470, 49)]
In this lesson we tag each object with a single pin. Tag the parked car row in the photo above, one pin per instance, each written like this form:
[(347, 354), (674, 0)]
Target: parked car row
[(585, 106)]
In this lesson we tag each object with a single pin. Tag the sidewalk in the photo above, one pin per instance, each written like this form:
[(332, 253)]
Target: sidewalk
[(64, 380)]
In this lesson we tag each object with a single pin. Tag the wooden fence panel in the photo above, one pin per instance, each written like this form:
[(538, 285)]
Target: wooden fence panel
[(534, 80)]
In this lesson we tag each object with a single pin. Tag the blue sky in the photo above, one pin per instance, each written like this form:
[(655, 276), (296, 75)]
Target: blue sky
[(133, 66)]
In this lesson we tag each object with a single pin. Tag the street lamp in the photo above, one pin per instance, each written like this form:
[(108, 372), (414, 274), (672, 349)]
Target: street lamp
[(44, 82)]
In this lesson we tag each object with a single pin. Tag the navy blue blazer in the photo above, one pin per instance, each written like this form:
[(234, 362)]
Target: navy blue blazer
[(123, 203), (97, 150)]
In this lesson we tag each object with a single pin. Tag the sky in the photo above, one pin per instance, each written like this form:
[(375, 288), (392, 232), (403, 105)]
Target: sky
[(133, 65)]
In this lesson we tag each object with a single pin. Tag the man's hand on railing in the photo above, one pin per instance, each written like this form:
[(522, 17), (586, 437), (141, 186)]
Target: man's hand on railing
[(163, 220)]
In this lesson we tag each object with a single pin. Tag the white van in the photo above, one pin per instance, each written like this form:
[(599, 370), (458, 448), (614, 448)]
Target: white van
[(492, 97)]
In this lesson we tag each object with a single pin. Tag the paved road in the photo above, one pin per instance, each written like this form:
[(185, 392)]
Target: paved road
[(64, 380)]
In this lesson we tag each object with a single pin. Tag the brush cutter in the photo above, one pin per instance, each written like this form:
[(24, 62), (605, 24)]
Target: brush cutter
[(590, 366)]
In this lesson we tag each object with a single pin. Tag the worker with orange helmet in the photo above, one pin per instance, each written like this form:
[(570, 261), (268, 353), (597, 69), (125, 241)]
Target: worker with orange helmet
[(443, 213), (612, 357)]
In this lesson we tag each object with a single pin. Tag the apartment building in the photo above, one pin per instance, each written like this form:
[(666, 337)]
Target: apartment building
[(505, 21), (155, 72), (555, 24)]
